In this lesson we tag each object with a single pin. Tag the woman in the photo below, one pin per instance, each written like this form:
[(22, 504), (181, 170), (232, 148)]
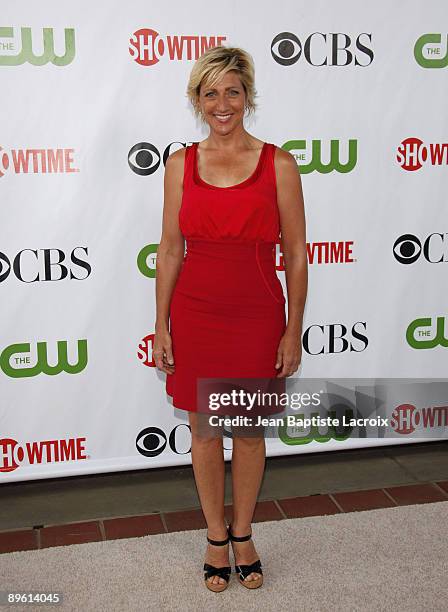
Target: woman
[(221, 308)]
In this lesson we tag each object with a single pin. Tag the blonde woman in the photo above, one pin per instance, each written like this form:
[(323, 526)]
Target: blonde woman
[(221, 308)]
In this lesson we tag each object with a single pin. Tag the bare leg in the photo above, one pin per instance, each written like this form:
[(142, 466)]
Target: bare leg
[(248, 462), (208, 466)]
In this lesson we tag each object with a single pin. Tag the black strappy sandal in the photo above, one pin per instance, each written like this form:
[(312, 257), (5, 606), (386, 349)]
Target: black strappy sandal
[(244, 570), (222, 572)]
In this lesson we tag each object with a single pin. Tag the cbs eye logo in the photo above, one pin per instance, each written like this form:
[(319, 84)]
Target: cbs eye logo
[(286, 48), (5, 267), (323, 49), (144, 158), (152, 441), (408, 248)]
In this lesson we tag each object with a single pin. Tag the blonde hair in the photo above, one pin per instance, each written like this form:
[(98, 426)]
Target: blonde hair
[(213, 65)]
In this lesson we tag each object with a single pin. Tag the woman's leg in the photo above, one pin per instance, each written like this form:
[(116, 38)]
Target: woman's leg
[(248, 462), (208, 466)]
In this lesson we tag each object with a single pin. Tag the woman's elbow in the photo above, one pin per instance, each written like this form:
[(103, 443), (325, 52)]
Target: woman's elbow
[(167, 252)]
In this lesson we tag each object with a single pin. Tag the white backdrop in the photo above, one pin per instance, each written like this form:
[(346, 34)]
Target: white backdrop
[(78, 185)]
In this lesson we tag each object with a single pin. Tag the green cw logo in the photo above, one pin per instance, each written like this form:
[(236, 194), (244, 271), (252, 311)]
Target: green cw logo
[(314, 433), (16, 52), (146, 260), (432, 58), (15, 362), (316, 164), (420, 334)]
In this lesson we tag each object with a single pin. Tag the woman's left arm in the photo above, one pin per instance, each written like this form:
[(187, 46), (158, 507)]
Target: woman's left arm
[(293, 236)]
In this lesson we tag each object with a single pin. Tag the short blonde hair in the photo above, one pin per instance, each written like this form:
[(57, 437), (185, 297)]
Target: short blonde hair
[(213, 65)]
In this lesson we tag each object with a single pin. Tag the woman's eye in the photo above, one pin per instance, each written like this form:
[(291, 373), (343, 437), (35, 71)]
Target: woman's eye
[(233, 92)]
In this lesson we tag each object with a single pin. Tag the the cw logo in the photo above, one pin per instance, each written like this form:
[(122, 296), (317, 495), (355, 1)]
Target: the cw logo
[(434, 61), (316, 156), (21, 368), (146, 260), (9, 58), (419, 332), (297, 437)]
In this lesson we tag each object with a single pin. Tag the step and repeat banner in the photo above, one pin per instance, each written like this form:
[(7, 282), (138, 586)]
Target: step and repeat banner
[(93, 101)]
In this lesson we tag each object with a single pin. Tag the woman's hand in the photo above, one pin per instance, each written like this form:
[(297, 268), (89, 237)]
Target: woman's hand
[(289, 354), (162, 352)]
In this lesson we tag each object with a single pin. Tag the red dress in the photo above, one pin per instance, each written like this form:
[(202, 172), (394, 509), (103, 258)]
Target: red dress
[(227, 312)]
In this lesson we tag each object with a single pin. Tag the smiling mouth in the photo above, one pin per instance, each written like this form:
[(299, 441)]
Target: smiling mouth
[(223, 118)]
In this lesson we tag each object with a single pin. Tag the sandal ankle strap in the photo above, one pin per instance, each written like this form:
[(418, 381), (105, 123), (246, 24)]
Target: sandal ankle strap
[(238, 538), (218, 542)]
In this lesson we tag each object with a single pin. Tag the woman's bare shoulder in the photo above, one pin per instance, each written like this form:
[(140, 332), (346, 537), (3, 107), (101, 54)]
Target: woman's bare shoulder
[(284, 159), (174, 165), (176, 158)]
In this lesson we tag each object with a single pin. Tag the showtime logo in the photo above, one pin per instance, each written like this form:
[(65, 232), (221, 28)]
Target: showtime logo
[(322, 253), (37, 161), (144, 352), (406, 418), (413, 153), (12, 454), (147, 46)]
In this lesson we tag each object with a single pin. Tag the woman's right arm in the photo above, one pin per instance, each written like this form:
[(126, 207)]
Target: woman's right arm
[(170, 255)]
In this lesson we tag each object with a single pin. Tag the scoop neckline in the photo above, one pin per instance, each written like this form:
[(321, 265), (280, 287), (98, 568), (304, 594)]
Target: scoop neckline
[(246, 181)]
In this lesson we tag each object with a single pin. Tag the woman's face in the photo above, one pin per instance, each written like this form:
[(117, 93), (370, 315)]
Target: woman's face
[(223, 105)]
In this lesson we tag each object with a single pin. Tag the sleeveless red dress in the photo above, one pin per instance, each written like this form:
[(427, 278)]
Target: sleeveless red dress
[(227, 311)]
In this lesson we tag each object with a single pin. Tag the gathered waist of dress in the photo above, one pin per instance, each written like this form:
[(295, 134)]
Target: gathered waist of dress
[(232, 249), (231, 273)]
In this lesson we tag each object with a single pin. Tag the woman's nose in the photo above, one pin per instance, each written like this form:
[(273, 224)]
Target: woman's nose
[(222, 102)]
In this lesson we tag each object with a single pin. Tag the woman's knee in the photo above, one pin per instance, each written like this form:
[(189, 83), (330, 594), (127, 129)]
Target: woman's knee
[(202, 432), (250, 443)]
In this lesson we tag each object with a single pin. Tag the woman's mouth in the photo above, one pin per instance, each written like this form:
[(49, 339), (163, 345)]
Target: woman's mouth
[(223, 118)]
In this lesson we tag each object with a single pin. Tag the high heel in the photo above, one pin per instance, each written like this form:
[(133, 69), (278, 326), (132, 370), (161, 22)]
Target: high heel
[(222, 572), (244, 570)]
